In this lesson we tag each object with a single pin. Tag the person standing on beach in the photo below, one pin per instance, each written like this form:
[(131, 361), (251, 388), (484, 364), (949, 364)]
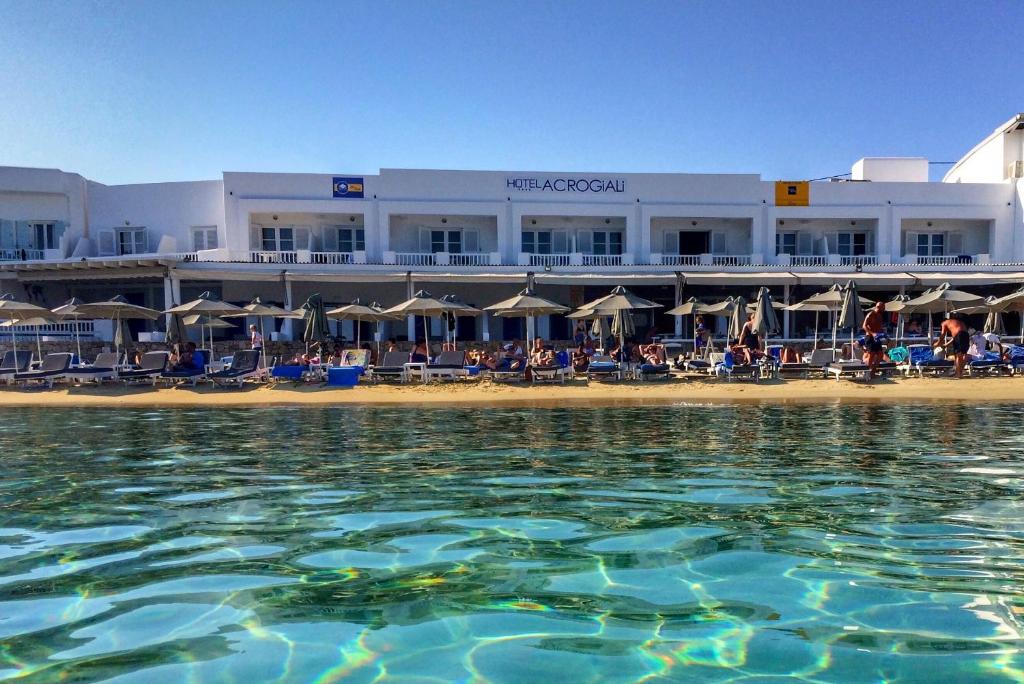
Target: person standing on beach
[(959, 341), (255, 338), (874, 336)]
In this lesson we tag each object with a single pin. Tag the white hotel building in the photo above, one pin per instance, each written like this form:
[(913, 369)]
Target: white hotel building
[(478, 234)]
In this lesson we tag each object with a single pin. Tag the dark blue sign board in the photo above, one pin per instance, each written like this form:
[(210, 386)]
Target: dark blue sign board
[(348, 187)]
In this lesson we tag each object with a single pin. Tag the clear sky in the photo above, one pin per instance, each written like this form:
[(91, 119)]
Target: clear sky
[(153, 91)]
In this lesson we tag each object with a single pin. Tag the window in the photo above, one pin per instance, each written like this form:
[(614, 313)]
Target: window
[(931, 244), (852, 244), (278, 239), (351, 240), (45, 235), (446, 241), (131, 241), (204, 237), (537, 241), (607, 242), (785, 243)]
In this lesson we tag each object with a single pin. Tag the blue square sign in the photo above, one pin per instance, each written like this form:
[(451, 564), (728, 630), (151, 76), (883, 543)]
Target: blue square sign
[(348, 187)]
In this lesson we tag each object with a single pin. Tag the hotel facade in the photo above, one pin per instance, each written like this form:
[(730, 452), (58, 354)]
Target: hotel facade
[(482, 234)]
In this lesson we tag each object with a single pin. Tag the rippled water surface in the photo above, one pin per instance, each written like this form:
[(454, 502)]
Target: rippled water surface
[(827, 543)]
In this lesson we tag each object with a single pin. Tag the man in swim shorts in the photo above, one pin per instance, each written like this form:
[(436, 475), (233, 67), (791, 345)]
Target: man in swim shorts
[(874, 337), (959, 341)]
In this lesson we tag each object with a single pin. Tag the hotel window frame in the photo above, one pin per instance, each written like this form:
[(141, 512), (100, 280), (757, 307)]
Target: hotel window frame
[(299, 238), (434, 240), (850, 243), (932, 244), (355, 242), (201, 238), (781, 238), (590, 243)]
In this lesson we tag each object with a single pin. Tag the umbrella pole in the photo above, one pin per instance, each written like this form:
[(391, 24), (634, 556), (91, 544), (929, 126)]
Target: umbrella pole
[(14, 342), (815, 345), (39, 346), (263, 347), (78, 340)]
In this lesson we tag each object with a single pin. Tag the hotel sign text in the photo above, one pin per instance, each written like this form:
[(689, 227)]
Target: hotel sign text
[(566, 184)]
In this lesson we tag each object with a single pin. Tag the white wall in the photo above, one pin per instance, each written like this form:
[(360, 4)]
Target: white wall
[(891, 169), (976, 234), (165, 209)]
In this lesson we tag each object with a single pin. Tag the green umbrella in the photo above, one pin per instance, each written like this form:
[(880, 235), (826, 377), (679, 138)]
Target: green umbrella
[(765, 321), (738, 319), (317, 330)]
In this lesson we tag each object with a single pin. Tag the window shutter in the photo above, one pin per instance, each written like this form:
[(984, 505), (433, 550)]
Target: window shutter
[(910, 243), (106, 242), (832, 243), (560, 242), (139, 242), (869, 242), (198, 239), (302, 237), (585, 242), (471, 240), (425, 240), (672, 242), (256, 237), (804, 243), (718, 243), (23, 234), (211, 237), (330, 237), (954, 244), (7, 234)]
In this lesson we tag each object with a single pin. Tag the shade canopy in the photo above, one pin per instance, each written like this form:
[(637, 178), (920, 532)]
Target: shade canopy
[(202, 320), (33, 322), (623, 325), (834, 297), (942, 299), (461, 307), (583, 314), (317, 330), (117, 308), (1011, 302), (897, 304), (205, 305), (357, 311), (525, 304), (12, 309), (851, 313), (765, 321), (68, 309), (258, 308), (620, 299), (688, 308), (994, 323), (725, 307), (422, 304), (738, 317), (176, 333)]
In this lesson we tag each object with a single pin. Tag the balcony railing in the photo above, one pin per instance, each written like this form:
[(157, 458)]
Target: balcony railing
[(415, 259), (331, 258), (264, 257), (680, 259), (474, 259), (602, 259), (808, 260), (944, 260), (21, 254), (731, 259), (63, 329), (550, 259), (860, 260)]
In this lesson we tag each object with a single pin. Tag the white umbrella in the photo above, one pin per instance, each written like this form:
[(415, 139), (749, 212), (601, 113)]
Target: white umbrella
[(116, 310), (422, 304), (206, 306), (620, 299), (69, 309), (359, 312), (13, 310), (34, 322), (528, 305), (260, 310), (942, 299)]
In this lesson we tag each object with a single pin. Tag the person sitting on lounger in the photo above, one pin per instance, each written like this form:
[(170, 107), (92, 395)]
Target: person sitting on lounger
[(482, 359), (653, 353), (588, 346), (789, 355), (978, 346), (186, 358), (953, 335), (581, 359), (392, 345), (512, 357), (420, 353)]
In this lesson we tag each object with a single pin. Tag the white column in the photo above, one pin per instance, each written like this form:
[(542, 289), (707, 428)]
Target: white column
[(785, 314), (287, 326), (410, 290)]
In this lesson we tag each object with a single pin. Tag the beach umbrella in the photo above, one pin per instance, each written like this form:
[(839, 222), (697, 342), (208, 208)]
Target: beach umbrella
[(623, 325), (691, 307), (201, 320), (317, 330), (765, 321), (897, 305), (13, 310), (260, 310), (207, 306), (117, 310), (851, 315), (1013, 302), (738, 318), (359, 312), (527, 305), (994, 323), (176, 333), (620, 299), (33, 322), (451, 317), (69, 309), (816, 308), (941, 299), (422, 304), (834, 297)]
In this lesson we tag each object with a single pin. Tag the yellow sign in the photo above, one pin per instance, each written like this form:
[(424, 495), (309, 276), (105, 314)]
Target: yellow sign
[(792, 193)]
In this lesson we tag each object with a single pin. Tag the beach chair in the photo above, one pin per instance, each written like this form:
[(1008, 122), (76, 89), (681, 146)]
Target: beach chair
[(848, 369), (188, 375), (646, 372), (729, 369), (104, 367), (1015, 358), (553, 373), (922, 360), (448, 365), (288, 373), (604, 369), (12, 363), (391, 367), (991, 365), (150, 368), (244, 365), (53, 368)]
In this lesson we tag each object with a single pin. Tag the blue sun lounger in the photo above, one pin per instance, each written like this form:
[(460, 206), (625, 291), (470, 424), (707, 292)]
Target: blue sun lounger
[(150, 368), (244, 365), (53, 367)]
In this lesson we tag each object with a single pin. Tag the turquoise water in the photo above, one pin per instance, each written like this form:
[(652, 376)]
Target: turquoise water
[(715, 543)]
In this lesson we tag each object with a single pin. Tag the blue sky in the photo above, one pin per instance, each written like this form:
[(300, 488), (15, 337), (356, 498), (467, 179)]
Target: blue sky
[(151, 91)]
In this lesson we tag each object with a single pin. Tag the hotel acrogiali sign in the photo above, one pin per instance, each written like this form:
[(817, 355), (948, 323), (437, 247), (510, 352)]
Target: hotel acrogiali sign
[(350, 187), (565, 184)]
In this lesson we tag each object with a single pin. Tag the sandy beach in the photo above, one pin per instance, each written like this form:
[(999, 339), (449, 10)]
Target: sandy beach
[(975, 390)]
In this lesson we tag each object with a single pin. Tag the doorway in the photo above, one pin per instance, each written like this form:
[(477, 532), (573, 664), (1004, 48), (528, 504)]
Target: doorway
[(693, 242)]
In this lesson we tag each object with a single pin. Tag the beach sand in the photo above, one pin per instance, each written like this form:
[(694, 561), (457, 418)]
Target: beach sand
[(975, 390)]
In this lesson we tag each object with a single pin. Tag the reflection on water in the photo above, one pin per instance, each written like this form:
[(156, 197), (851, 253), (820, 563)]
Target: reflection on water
[(829, 543)]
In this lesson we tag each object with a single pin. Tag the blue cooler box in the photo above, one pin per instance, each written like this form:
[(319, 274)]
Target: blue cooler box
[(345, 376)]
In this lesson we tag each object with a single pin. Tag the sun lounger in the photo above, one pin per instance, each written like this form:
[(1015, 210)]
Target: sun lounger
[(729, 369), (150, 368), (288, 373), (188, 375), (653, 371), (1015, 358), (53, 368), (105, 367), (604, 369), (391, 367), (15, 363), (551, 373), (698, 366), (448, 365), (856, 369), (990, 366), (244, 365), (796, 369)]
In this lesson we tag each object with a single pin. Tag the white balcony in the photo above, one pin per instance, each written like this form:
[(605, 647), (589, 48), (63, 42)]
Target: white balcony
[(22, 254), (268, 257), (564, 259), (697, 260), (862, 260), (601, 260), (442, 258)]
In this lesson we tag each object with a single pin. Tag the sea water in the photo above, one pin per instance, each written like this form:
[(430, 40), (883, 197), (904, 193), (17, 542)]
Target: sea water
[(856, 543)]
